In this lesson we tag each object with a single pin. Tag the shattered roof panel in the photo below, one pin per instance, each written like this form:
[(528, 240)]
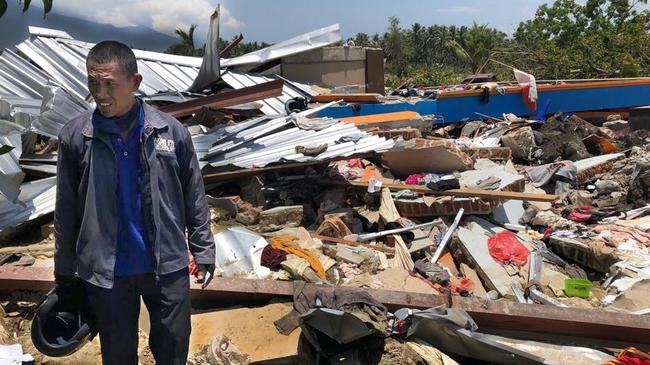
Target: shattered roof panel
[(38, 196), (63, 59), (11, 176), (302, 43), (275, 140), (238, 80)]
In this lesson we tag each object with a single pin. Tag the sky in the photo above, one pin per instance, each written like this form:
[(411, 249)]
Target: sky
[(277, 20)]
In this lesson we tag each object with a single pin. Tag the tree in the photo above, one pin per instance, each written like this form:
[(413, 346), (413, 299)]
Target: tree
[(600, 38), (186, 46), (47, 6), (476, 45), (395, 47)]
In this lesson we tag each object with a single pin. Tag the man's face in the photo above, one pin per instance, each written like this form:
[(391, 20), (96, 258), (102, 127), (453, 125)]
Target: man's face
[(112, 88)]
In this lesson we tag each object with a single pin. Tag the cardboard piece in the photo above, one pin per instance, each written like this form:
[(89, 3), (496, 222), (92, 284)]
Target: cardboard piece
[(437, 159), (250, 329)]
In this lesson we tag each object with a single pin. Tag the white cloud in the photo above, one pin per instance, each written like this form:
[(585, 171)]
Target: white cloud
[(161, 15)]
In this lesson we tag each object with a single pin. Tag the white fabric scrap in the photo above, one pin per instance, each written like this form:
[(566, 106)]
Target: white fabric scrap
[(13, 355)]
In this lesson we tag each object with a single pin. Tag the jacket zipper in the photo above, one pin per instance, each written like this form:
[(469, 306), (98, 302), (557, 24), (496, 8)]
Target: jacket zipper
[(115, 182), (145, 138)]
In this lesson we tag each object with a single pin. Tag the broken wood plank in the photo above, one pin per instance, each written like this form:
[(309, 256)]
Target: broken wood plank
[(489, 315), (464, 192), (388, 212), (501, 195), (346, 254), (34, 250), (354, 244)]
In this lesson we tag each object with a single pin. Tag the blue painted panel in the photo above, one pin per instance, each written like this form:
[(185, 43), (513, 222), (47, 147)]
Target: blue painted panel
[(456, 109)]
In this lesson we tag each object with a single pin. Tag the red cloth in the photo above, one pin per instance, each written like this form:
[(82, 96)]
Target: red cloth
[(525, 92), (631, 356), (463, 285), (628, 360), (194, 270), (506, 248)]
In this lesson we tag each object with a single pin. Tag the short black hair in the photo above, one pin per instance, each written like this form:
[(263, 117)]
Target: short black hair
[(113, 51)]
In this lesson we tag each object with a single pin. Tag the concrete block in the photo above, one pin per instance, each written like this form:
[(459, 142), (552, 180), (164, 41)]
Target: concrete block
[(281, 217)]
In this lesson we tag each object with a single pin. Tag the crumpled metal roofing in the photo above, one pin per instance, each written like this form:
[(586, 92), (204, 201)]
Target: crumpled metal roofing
[(259, 142), (305, 42), (18, 77), (11, 176), (238, 80), (38, 197), (63, 59), (57, 108)]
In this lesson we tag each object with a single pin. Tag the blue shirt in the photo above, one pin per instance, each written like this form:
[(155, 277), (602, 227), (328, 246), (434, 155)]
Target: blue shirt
[(133, 254)]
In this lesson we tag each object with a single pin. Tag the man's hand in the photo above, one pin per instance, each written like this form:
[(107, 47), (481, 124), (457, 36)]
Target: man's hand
[(203, 269), (64, 280)]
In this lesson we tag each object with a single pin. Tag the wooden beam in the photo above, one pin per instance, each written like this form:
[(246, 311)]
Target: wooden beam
[(382, 118), (465, 192), (226, 50), (489, 315), (225, 99), (354, 244)]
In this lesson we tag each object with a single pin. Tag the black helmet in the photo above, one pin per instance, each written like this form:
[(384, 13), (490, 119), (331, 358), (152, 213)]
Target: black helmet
[(62, 324)]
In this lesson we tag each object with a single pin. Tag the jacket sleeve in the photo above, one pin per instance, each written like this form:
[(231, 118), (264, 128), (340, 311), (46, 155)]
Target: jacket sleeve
[(66, 222), (197, 214)]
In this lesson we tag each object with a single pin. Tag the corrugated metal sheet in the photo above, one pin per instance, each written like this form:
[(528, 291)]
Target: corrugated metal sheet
[(11, 176), (38, 197), (20, 78), (260, 142), (58, 108), (305, 42), (63, 59), (238, 80)]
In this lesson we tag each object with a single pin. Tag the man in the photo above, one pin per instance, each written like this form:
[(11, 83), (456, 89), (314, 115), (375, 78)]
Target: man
[(128, 185)]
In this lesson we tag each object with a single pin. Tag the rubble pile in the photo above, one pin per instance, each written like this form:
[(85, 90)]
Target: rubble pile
[(498, 211)]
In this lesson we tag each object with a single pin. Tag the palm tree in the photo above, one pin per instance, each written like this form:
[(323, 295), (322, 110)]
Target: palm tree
[(186, 46), (477, 45)]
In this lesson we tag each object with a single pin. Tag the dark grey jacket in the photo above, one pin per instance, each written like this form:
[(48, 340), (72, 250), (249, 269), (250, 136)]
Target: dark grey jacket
[(85, 217)]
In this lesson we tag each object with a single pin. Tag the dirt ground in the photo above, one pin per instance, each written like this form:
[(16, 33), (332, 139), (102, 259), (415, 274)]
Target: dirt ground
[(15, 323)]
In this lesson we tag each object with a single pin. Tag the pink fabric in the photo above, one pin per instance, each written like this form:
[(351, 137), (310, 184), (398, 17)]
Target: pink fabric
[(414, 179)]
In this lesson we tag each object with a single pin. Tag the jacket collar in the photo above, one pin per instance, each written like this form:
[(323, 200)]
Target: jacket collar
[(152, 120)]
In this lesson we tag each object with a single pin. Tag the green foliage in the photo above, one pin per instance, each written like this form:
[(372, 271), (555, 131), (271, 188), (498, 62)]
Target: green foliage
[(47, 6), (186, 46), (565, 39), (425, 75), (602, 38)]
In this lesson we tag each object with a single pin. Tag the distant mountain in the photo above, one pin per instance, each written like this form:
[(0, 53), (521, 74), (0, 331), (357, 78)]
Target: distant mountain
[(14, 29)]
